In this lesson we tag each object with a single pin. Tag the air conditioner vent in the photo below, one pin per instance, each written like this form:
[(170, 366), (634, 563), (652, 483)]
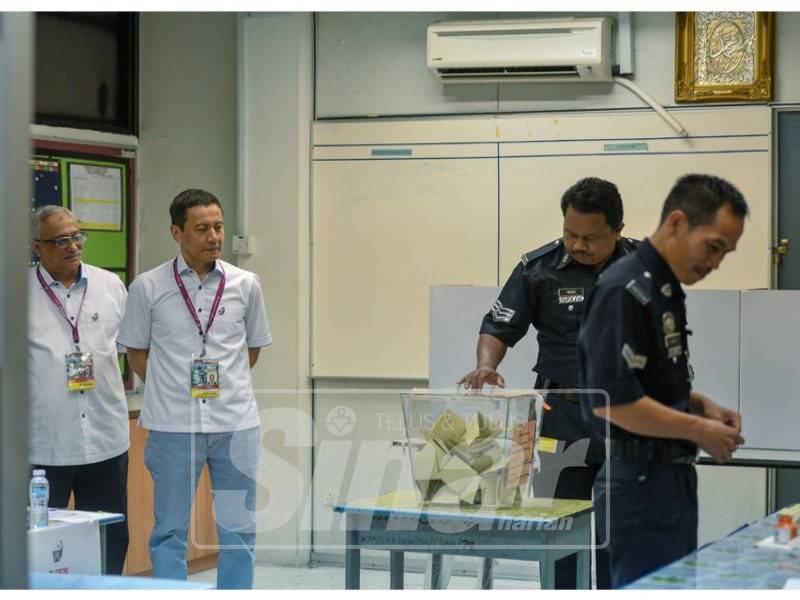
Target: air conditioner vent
[(530, 50)]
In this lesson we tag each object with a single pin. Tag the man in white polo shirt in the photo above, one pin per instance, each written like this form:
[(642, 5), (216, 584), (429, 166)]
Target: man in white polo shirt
[(194, 327), (79, 416)]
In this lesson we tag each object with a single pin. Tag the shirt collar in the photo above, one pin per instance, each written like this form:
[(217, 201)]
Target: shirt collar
[(658, 268), (183, 267), (50, 280), (566, 257)]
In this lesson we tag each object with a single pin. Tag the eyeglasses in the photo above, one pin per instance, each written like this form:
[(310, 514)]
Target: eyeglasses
[(64, 241)]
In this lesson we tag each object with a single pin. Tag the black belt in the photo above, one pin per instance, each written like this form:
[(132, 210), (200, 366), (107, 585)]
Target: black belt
[(657, 451), (554, 386)]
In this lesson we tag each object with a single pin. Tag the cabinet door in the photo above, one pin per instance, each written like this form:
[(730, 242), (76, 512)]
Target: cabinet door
[(202, 530)]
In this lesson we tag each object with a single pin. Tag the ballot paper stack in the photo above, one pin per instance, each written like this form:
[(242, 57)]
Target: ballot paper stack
[(472, 448)]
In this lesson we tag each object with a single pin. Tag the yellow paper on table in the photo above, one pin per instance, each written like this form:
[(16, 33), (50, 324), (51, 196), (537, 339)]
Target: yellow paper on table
[(546, 444)]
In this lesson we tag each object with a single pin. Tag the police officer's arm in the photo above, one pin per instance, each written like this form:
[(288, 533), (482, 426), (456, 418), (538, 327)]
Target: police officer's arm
[(490, 352), (614, 347), (504, 325), (708, 408), (649, 417)]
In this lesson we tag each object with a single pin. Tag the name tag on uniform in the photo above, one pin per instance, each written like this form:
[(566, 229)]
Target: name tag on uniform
[(205, 378), (674, 344), (80, 371), (570, 295)]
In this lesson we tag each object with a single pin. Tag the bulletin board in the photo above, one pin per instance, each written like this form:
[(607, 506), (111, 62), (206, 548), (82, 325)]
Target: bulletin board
[(401, 205), (94, 187)]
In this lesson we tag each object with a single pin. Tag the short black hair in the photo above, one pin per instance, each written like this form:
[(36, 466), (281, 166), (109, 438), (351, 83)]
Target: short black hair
[(188, 199), (595, 195), (699, 197)]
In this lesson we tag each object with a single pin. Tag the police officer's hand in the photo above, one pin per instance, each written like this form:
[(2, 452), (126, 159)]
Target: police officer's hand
[(475, 380), (718, 439), (725, 415), (715, 411)]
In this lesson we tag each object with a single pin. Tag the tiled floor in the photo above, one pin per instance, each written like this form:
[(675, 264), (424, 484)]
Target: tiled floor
[(332, 577)]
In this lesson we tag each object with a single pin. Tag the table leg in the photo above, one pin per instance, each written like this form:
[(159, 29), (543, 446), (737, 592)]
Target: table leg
[(547, 573), (396, 568), (486, 573), (103, 562), (584, 576), (352, 556), (437, 574)]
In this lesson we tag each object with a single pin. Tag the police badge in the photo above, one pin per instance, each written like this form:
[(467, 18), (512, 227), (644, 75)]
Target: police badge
[(672, 338)]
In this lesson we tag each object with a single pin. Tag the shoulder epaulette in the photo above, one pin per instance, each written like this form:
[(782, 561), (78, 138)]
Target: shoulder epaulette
[(630, 244), (637, 290), (539, 252)]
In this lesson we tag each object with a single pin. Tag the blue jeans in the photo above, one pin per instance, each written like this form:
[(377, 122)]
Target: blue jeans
[(175, 461)]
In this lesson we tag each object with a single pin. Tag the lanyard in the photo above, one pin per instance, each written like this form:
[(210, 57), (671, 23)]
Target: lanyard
[(190, 306), (54, 299)]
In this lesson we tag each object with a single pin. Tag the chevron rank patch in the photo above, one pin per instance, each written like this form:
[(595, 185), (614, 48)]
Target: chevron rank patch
[(635, 361), (501, 314)]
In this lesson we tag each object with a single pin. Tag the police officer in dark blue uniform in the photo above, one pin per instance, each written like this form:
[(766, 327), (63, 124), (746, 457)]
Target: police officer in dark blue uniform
[(548, 289), (634, 345)]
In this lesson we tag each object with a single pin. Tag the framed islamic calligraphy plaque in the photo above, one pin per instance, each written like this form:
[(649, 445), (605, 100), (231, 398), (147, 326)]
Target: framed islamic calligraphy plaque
[(723, 56)]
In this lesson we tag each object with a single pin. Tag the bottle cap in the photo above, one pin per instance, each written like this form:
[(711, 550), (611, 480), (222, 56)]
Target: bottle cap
[(38, 472), (785, 521)]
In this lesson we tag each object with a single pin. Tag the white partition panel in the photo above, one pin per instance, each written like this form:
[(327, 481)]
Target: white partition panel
[(770, 379), (456, 313), (713, 319)]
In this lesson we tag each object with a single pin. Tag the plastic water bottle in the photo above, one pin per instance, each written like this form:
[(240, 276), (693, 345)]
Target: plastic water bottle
[(39, 490)]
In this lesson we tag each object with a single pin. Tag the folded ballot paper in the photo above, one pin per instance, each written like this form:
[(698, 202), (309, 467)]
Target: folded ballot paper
[(474, 448)]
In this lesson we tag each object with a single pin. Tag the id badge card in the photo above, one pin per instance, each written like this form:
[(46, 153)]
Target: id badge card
[(80, 371), (205, 378)]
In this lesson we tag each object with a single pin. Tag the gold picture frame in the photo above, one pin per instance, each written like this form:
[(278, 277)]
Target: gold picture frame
[(724, 56)]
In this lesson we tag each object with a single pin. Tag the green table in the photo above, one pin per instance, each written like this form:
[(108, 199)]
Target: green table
[(541, 529)]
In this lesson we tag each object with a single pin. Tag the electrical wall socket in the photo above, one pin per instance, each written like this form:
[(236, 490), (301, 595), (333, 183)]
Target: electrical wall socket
[(243, 244), (331, 497)]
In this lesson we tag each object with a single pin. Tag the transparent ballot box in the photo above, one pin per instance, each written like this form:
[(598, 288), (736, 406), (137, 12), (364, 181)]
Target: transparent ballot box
[(473, 448)]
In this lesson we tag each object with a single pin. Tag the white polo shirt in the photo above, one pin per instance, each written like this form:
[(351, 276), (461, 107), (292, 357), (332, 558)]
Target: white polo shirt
[(81, 427), (157, 318)]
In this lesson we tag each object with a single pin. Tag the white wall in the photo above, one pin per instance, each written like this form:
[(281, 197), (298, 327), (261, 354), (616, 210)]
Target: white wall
[(371, 64), (187, 122), (276, 109)]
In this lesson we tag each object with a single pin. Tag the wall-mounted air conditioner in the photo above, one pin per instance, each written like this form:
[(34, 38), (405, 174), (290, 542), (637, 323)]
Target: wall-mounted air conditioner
[(553, 50)]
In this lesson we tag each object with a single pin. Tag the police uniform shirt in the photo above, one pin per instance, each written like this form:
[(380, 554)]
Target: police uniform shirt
[(634, 339), (158, 318), (548, 289), (78, 427)]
